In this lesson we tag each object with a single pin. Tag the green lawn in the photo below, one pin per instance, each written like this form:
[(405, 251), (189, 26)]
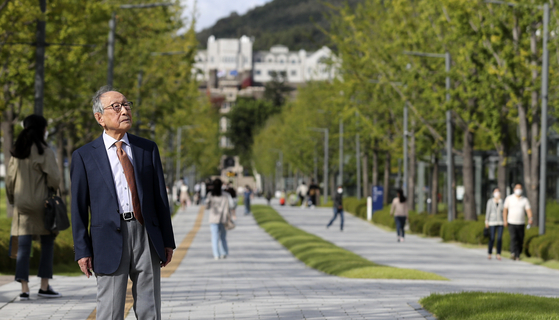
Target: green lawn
[(490, 306), (324, 256)]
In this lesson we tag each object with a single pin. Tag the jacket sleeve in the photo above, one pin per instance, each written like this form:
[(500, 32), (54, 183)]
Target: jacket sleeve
[(11, 179), (392, 208), (50, 168), (488, 210), (162, 202), (80, 208)]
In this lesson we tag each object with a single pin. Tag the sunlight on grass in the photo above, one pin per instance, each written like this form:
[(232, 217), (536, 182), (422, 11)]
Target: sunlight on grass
[(324, 256), (490, 306)]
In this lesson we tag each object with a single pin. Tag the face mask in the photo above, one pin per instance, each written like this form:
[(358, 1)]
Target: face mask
[(340, 190), (518, 192), (496, 194)]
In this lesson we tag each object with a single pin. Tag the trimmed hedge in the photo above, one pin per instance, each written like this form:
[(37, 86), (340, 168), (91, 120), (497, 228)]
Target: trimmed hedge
[(545, 247)]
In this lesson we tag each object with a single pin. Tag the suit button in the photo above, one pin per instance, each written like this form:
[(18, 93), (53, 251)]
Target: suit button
[(118, 229)]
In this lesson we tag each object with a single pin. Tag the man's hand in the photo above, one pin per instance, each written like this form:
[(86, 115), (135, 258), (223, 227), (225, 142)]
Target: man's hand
[(506, 224), (169, 255), (86, 266)]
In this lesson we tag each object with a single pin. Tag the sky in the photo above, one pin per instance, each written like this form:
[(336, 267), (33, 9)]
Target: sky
[(209, 11)]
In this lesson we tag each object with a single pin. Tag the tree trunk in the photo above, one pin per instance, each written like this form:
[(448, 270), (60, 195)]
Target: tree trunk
[(386, 178), (375, 167), (365, 165), (60, 156), (411, 170), (8, 140), (533, 187), (435, 185), (468, 175), (69, 151)]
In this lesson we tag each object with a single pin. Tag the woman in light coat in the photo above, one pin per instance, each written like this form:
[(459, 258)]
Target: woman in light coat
[(219, 206), (494, 221), (32, 169), (399, 209)]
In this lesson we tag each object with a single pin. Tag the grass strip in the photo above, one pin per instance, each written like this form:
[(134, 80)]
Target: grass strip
[(490, 306), (324, 256)]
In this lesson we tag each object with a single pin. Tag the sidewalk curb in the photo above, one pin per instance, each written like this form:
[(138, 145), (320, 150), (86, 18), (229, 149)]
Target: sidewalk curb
[(419, 309)]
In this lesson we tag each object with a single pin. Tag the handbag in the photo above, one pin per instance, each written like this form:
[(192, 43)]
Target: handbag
[(56, 214), (229, 223), (486, 232)]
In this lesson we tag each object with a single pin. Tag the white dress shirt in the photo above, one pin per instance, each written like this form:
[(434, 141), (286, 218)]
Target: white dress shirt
[(121, 185), (517, 207)]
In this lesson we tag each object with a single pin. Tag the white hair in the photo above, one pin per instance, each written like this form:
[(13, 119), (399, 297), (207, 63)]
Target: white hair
[(96, 100)]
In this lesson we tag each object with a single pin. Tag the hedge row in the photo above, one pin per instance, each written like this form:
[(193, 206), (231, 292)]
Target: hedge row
[(545, 247)]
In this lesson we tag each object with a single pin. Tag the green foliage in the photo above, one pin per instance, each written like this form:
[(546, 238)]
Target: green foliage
[(450, 230), (472, 232), (432, 227), (489, 306), (325, 256), (293, 23)]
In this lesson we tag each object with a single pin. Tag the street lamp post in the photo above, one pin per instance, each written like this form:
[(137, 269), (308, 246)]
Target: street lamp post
[(341, 164), (449, 155), (112, 31), (405, 184), (325, 130)]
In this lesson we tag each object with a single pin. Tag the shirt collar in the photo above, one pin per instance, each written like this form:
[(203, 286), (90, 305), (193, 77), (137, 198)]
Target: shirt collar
[(110, 141)]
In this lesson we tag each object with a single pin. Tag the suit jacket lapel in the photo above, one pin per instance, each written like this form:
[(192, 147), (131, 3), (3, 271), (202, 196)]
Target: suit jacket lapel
[(102, 160), (138, 155)]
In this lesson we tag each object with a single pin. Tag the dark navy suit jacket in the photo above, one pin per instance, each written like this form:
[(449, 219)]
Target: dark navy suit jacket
[(93, 191)]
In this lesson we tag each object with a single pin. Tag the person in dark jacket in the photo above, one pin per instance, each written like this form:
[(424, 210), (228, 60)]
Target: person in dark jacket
[(338, 208)]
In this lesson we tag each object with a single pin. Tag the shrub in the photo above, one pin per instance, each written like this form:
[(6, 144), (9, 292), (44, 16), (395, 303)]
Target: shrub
[(384, 218), (449, 230), (432, 227), (472, 232), (539, 246), (417, 221)]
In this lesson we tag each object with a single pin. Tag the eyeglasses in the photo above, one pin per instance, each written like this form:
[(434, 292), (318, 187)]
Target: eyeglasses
[(118, 106)]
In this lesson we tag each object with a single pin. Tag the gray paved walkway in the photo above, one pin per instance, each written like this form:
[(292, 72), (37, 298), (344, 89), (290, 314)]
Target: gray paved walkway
[(259, 280), (468, 269), (262, 280)]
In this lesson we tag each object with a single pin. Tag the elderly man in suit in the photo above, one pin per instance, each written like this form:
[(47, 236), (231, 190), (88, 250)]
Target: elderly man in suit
[(120, 212)]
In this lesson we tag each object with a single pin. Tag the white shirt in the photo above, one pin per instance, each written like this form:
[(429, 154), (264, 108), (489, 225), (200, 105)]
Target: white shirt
[(302, 190), (121, 185), (517, 207)]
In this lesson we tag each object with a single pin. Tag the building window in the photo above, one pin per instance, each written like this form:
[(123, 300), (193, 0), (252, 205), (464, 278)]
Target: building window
[(294, 61), (293, 72), (211, 59), (258, 60), (270, 72), (269, 60), (257, 72), (281, 61)]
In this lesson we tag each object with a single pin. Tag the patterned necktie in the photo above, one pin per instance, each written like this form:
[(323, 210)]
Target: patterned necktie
[(129, 174)]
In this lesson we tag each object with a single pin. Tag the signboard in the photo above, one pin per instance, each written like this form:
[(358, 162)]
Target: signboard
[(378, 196)]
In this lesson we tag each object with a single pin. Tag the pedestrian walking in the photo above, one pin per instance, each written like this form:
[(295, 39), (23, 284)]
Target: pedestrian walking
[(184, 197), (399, 210), (313, 193), (494, 221), (247, 195), (338, 208), (218, 205), (32, 170), (516, 208), (269, 197), (302, 193), (121, 221), (231, 190)]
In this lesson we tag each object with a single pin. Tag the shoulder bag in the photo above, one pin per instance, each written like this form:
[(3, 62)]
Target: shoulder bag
[(56, 214)]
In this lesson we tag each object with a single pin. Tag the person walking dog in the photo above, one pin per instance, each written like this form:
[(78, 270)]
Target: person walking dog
[(121, 222)]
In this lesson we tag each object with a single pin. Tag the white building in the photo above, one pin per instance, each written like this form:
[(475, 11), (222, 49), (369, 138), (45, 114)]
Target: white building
[(234, 60)]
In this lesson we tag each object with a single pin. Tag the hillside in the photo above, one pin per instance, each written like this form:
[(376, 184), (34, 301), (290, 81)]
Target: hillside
[(293, 23)]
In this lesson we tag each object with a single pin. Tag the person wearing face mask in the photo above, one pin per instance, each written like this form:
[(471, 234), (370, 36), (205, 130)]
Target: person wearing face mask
[(494, 221), (338, 208), (399, 209), (516, 207)]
